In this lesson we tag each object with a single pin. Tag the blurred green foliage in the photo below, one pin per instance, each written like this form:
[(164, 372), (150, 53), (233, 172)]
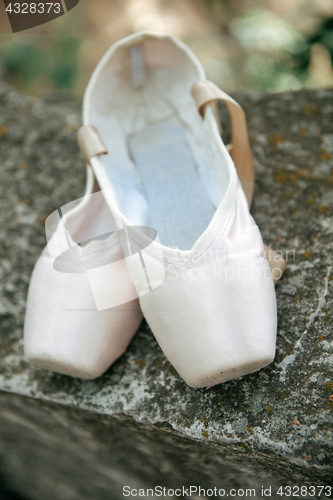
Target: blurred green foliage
[(21, 61), (269, 45), (271, 54), (323, 35), (27, 62), (258, 49), (63, 70)]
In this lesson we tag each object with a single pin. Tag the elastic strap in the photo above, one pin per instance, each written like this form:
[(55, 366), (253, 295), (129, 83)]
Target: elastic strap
[(90, 142), (206, 93)]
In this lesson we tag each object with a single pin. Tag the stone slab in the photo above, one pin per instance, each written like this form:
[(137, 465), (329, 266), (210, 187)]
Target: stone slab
[(275, 425)]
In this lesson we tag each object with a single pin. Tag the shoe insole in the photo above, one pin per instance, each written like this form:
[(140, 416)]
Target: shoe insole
[(179, 204)]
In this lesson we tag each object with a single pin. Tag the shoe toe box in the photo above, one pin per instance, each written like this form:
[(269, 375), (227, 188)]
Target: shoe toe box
[(64, 332)]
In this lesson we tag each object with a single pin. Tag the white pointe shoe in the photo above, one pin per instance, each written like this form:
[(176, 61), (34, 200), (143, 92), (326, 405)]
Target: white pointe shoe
[(205, 284), (68, 329)]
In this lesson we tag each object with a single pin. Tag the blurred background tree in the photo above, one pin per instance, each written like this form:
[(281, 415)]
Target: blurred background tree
[(263, 44)]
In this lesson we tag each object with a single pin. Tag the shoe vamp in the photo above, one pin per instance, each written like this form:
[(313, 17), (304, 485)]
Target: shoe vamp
[(215, 313)]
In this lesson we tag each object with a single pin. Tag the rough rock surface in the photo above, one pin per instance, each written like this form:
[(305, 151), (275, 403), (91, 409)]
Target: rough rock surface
[(140, 424)]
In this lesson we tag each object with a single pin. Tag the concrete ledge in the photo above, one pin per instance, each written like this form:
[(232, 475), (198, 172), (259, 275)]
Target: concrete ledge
[(140, 424)]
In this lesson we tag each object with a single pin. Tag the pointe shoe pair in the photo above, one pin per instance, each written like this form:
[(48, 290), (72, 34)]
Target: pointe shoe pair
[(164, 229)]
